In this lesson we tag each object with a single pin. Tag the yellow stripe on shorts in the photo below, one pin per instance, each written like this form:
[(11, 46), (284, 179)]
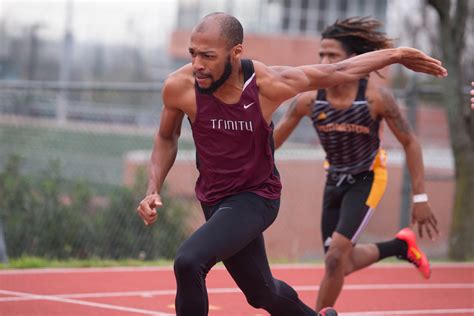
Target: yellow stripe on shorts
[(380, 179)]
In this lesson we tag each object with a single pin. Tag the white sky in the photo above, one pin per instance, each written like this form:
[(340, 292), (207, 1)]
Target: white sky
[(146, 22)]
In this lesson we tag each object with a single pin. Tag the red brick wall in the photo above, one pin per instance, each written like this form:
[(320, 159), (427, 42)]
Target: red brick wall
[(295, 235)]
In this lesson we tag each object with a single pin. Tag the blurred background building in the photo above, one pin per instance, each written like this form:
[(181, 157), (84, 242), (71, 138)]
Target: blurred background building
[(289, 27), (80, 84), (296, 17)]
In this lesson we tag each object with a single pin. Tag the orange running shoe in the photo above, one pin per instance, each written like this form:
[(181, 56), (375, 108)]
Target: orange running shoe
[(328, 311), (414, 254)]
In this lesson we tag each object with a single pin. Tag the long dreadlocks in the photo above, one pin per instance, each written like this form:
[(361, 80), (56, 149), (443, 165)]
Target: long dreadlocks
[(358, 35)]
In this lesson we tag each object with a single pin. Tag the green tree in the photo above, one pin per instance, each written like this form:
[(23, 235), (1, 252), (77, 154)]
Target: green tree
[(125, 236), (14, 205), (453, 16), (46, 216)]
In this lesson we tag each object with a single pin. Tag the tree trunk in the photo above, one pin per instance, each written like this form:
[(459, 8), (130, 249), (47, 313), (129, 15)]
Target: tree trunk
[(460, 118), (3, 247)]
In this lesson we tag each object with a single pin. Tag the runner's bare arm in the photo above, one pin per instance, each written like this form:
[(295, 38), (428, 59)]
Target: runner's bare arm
[(164, 152), (422, 214), (279, 83), (298, 107), (165, 146)]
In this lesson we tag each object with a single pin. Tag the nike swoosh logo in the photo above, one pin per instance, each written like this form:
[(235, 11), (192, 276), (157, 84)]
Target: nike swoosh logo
[(246, 106), (224, 208)]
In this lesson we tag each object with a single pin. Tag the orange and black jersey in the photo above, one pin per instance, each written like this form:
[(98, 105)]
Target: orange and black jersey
[(350, 137)]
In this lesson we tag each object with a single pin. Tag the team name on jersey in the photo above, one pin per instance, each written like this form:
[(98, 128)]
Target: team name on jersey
[(232, 125), (344, 127)]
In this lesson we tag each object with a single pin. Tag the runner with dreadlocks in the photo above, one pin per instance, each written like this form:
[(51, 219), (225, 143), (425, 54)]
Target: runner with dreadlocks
[(347, 119)]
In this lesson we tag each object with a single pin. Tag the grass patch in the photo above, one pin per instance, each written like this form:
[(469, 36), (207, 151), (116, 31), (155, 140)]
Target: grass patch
[(36, 262), (97, 157)]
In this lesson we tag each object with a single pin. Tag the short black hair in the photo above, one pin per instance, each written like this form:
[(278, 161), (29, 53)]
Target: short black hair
[(231, 29)]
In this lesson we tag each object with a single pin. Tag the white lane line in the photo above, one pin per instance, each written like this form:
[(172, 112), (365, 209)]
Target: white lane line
[(295, 266), (467, 311), (67, 298), (301, 288), (84, 303), (427, 286)]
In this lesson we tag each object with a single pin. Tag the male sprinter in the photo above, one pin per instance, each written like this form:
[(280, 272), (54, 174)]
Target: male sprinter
[(347, 118), (229, 103)]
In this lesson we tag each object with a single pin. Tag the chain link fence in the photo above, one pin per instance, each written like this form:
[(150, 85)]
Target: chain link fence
[(61, 180), (70, 183)]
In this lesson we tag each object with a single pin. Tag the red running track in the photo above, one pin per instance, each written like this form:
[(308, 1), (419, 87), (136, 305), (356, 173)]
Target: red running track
[(379, 290)]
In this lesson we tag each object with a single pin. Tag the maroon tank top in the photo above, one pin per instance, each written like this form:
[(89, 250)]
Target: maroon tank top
[(234, 145)]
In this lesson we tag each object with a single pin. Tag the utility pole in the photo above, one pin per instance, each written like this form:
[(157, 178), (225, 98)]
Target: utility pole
[(65, 67), (31, 66)]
